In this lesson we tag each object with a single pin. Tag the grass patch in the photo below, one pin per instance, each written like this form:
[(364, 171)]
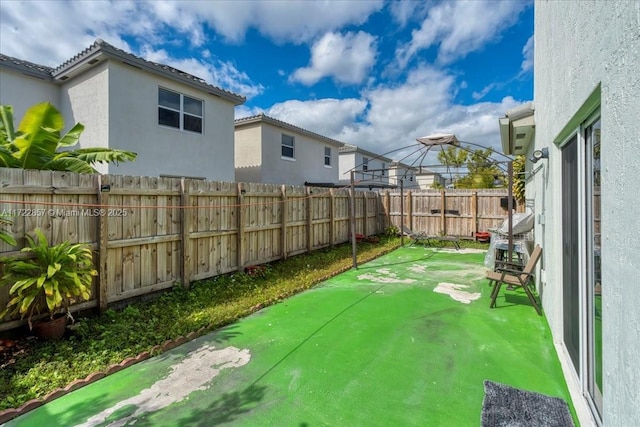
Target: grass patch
[(98, 342)]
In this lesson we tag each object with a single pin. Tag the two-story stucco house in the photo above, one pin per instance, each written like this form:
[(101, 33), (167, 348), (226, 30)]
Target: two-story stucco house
[(179, 124), (582, 179), (270, 151), (370, 169)]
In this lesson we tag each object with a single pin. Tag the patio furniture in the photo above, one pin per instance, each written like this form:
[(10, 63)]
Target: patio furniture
[(421, 236), (508, 273)]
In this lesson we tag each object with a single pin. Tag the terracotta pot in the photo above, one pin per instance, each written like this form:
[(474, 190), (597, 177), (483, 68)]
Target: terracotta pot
[(50, 330)]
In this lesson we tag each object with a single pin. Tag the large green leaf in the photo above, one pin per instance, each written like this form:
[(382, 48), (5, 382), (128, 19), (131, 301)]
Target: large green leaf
[(72, 137), (103, 155), (64, 162), (7, 132), (38, 135)]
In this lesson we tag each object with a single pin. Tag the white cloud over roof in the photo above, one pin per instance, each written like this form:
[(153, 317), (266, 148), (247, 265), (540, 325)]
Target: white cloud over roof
[(346, 58)]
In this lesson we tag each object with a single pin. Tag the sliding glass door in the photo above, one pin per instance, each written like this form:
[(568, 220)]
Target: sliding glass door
[(581, 244), (593, 251)]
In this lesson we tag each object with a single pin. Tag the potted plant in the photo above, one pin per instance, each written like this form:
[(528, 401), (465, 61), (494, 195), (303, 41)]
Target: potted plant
[(53, 278)]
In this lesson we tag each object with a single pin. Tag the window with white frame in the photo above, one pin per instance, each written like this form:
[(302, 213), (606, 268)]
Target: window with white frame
[(327, 156), (365, 163), (179, 111), (384, 166), (288, 146)]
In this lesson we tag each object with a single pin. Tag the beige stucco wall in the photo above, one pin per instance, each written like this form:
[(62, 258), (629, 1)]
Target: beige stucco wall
[(579, 46), (308, 165), (248, 153)]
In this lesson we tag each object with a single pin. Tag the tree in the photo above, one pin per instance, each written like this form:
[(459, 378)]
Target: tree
[(453, 157), (483, 171), (37, 143)]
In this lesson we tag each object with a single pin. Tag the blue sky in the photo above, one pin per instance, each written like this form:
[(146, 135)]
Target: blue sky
[(377, 74)]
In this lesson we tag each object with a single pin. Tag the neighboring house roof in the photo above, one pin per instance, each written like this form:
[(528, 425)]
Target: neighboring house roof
[(99, 49), (26, 67), (400, 165), (350, 148), (263, 118)]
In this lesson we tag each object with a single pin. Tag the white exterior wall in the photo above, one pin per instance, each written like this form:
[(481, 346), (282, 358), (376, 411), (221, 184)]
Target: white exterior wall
[(353, 160), (85, 99), (23, 91), (578, 46), (248, 153), (409, 176), (308, 165), (347, 163), (133, 125)]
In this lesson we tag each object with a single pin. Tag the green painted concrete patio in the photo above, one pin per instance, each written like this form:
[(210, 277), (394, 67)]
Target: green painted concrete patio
[(405, 340)]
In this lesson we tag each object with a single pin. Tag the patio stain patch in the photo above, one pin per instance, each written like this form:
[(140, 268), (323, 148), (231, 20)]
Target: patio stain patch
[(352, 351), (457, 292), (193, 373)]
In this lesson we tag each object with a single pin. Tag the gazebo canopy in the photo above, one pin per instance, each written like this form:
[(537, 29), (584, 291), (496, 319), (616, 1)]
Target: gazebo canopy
[(439, 139)]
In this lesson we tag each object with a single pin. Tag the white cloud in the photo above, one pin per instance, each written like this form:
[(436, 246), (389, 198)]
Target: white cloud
[(327, 117), (347, 58), (460, 27), (404, 11), (390, 117), (218, 73), (527, 53), (283, 21)]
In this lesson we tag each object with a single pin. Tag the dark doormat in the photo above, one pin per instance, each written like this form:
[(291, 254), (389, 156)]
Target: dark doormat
[(505, 406)]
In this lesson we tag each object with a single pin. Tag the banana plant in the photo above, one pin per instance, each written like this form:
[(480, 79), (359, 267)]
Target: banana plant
[(37, 143)]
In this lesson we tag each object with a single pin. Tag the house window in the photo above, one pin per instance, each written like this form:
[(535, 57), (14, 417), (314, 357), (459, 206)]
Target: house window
[(179, 111), (365, 163), (288, 146), (384, 166), (327, 156)]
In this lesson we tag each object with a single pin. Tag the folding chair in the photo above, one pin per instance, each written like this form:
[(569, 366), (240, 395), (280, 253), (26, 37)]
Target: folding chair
[(415, 236), (508, 273)]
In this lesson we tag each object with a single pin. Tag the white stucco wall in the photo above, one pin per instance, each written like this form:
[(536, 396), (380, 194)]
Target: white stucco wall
[(308, 165), (353, 160), (248, 153), (133, 125), (22, 91), (85, 99), (578, 46)]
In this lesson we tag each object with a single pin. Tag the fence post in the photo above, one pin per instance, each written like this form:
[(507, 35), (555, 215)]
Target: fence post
[(103, 240), (365, 219), (387, 209), (474, 212), (443, 209), (240, 225), (309, 218), (332, 230), (283, 233), (184, 233), (410, 209)]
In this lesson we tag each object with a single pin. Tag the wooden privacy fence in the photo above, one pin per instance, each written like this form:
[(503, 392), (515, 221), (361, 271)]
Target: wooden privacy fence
[(150, 233), (460, 213)]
